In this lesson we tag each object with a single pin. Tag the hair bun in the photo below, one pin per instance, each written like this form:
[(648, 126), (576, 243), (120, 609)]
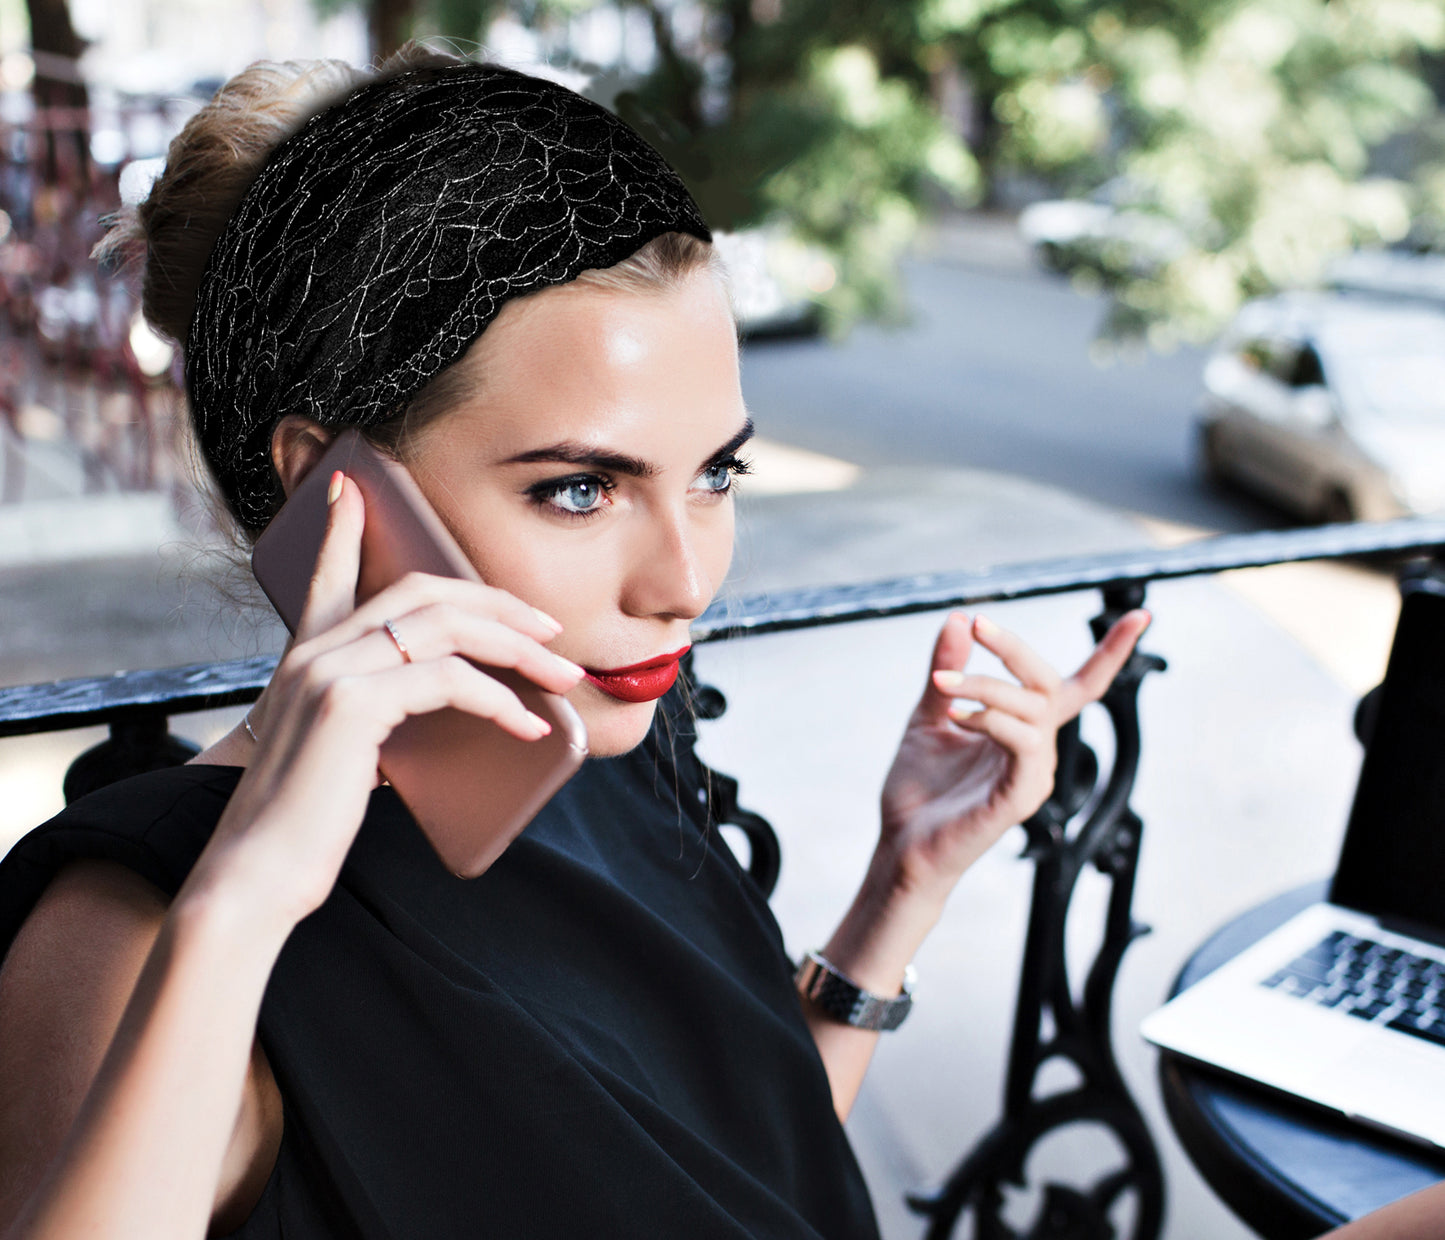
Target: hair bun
[(210, 165)]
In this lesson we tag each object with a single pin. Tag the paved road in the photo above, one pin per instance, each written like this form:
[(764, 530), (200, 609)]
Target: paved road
[(994, 373)]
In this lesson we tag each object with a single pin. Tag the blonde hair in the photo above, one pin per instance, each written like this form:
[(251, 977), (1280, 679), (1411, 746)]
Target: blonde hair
[(215, 158), (209, 167)]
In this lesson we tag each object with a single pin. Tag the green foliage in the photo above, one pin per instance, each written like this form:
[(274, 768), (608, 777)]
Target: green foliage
[(816, 142), (844, 158), (461, 19), (1244, 126), (874, 150), (1246, 131)]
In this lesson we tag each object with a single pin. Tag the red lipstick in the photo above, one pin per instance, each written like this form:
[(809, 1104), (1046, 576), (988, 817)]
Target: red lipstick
[(641, 682)]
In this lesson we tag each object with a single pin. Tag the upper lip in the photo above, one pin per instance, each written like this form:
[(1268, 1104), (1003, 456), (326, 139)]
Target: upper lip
[(657, 660)]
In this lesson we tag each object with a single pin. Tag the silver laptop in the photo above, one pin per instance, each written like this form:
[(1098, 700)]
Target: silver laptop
[(1344, 1005)]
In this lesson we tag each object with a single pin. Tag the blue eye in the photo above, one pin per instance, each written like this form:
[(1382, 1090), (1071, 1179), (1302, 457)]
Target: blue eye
[(717, 478), (581, 496)]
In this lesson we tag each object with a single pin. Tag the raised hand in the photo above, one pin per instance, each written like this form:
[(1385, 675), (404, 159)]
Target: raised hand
[(341, 689), (964, 774)]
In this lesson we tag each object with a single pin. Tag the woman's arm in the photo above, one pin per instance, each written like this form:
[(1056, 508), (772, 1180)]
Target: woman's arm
[(962, 776), (145, 1152), (63, 988), (873, 944), (1420, 1216), (112, 1007)]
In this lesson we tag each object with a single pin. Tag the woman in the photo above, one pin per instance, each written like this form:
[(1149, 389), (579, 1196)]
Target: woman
[(243, 996)]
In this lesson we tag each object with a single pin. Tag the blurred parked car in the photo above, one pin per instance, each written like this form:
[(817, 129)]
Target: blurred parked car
[(762, 302), (1113, 227), (1391, 273), (1332, 405)]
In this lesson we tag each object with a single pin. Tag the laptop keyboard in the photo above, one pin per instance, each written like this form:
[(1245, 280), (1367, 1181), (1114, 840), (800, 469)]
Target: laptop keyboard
[(1366, 979)]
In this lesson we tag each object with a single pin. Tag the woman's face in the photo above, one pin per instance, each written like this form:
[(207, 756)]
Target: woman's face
[(591, 473)]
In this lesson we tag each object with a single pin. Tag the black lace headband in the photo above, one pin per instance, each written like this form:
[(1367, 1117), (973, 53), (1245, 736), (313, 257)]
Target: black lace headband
[(379, 241)]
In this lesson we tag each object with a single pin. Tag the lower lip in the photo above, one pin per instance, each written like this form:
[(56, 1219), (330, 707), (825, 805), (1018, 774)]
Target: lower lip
[(644, 685)]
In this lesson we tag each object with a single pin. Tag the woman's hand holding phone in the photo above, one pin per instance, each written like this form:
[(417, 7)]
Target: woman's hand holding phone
[(340, 690)]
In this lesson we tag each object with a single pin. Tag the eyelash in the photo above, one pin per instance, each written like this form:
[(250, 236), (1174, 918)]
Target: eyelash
[(736, 466), (543, 494)]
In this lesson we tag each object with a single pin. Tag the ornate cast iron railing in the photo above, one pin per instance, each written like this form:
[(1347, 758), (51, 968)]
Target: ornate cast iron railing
[(1087, 821)]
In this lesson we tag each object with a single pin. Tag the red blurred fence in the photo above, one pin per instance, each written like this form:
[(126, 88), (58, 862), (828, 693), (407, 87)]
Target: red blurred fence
[(88, 399)]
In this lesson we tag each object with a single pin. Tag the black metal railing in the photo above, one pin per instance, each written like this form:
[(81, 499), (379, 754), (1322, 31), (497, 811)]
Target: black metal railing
[(1087, 821)]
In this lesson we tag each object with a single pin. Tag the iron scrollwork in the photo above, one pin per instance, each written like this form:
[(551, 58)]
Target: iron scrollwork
[(765, 854), (138, 743), (1050, 1021)]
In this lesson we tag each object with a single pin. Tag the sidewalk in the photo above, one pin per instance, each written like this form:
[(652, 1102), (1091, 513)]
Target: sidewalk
[(1246, 771)]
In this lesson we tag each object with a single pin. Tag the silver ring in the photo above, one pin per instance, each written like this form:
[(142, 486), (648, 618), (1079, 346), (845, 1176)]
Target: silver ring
[(396, 638), (250, 731)]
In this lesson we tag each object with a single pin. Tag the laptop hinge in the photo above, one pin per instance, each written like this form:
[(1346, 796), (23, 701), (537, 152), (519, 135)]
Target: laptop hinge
[(1413, 929)]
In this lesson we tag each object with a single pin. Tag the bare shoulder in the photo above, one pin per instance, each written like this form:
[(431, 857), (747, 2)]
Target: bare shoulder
[(76, 958), (64, 986)]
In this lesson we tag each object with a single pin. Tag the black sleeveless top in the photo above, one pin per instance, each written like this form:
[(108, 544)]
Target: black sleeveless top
[(598, 1037)]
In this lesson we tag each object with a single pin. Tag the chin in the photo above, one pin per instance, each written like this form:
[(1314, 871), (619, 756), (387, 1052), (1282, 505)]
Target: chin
[(615, 727)]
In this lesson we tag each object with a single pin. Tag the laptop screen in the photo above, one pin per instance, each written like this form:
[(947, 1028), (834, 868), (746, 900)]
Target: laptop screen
[(1393, 861)]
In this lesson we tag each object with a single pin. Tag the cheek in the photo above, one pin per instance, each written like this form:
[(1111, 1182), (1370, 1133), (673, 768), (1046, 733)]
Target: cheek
[(577, 579), (563, 580), (715, 544)]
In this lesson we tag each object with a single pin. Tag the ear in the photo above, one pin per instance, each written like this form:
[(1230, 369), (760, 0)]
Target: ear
[(297, 444)]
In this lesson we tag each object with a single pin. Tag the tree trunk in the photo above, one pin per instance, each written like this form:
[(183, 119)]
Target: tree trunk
[(389, 24), (61, 100)]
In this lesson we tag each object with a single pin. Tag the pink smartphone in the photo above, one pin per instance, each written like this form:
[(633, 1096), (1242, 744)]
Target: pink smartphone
[(471, 787)]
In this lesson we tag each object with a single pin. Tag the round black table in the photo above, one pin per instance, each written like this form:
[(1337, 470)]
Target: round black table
[(1285, 1168)]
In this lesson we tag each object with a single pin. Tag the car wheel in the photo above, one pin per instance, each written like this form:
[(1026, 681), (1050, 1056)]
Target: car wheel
[(1211, 456), (1046, 254), (1338, 508)]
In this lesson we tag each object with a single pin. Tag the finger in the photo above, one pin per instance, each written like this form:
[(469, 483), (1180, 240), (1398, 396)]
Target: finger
[(441, 630), (1097, 673), (417, 590), (445, 629), (1019, 738), (1025, 704), (950, 653), (331, 596), (410, 689), (456, 683), (1031, 668), (1023, 756)]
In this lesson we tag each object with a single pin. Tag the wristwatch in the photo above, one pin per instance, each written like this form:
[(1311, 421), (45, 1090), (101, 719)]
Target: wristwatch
[(838, 996)]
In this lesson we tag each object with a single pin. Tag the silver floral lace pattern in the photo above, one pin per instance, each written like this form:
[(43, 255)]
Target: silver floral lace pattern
[(380, 240)]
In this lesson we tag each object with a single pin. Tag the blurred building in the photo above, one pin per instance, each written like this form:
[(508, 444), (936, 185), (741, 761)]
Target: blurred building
[(149, 46)]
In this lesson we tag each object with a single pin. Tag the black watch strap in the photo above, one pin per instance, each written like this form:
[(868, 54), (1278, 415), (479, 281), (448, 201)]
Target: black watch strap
[(838, 996)]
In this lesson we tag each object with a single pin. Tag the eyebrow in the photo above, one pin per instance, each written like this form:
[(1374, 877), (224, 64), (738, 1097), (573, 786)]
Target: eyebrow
[(569, 452)]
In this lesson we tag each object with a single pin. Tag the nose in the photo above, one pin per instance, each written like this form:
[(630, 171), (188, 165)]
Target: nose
[(672, 573)]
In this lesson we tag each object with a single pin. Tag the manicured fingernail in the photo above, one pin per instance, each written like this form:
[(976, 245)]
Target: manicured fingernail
[(960, 713), (540, 725), (984, 627), (547, 620), (575, 668), (333, 492), (948, 681)]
